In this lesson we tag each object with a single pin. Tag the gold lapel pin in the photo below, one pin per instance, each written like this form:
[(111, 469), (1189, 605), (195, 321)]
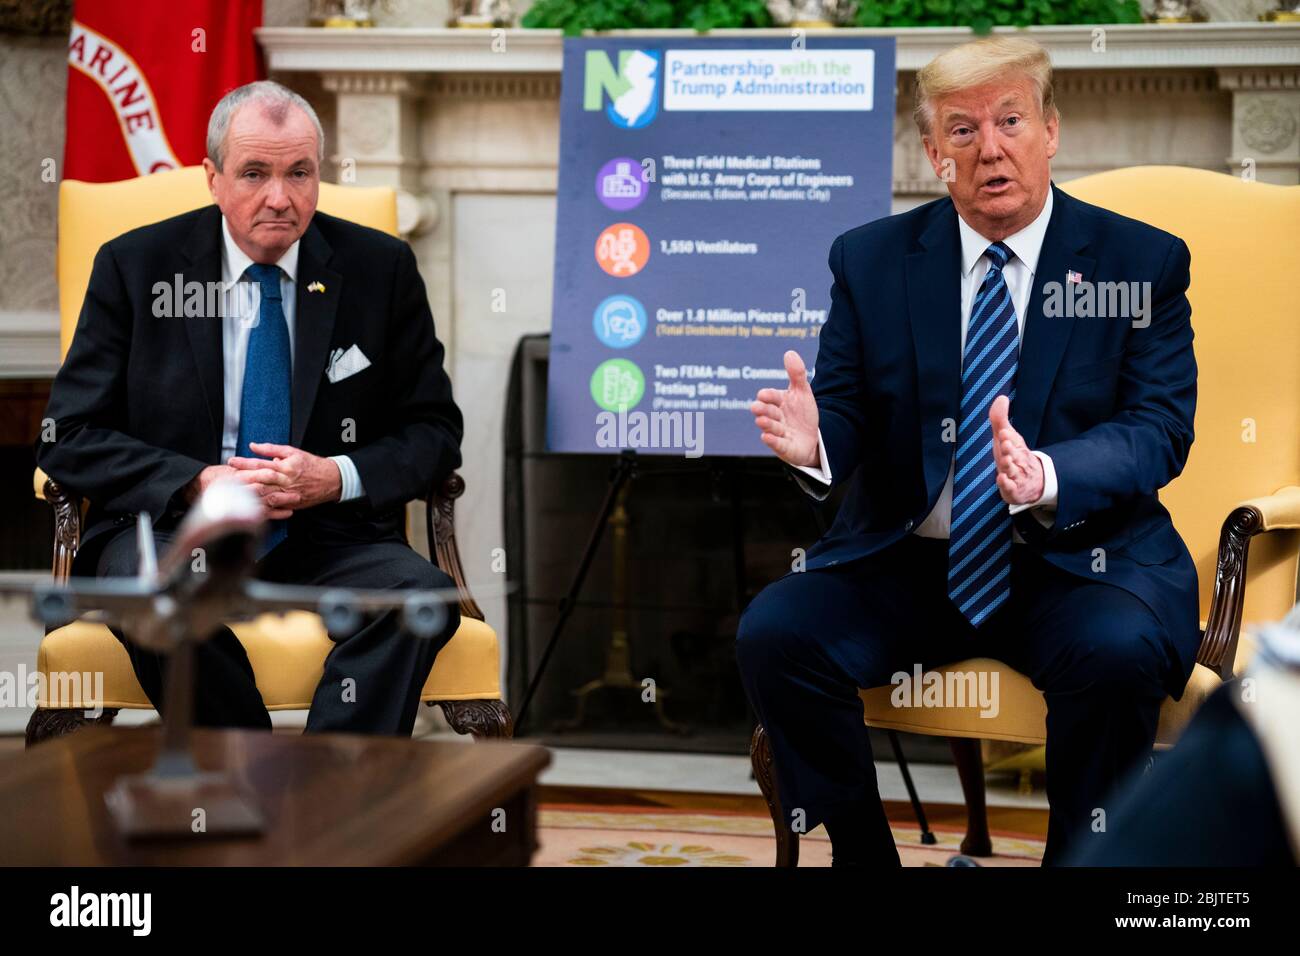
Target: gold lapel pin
[(316, 287)]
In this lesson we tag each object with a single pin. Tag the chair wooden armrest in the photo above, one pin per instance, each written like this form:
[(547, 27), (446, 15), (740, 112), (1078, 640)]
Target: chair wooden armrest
[(67, 525), (1279, 511), (439, 521)]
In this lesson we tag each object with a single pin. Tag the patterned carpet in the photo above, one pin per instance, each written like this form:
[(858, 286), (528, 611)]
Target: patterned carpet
[(584, 835)]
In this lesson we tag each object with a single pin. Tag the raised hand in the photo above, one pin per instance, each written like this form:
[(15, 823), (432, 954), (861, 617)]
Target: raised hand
[(1020, 473), (787, 417)]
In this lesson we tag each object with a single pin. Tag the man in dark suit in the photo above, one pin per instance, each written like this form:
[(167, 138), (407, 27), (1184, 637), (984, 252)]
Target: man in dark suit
[(1003, 451), (308, 368)]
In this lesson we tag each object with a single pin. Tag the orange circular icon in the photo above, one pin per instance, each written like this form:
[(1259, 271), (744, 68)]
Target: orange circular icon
[(622, 250)]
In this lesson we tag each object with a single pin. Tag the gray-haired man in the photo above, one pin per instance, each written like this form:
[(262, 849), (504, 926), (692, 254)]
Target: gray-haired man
[(319, 382)]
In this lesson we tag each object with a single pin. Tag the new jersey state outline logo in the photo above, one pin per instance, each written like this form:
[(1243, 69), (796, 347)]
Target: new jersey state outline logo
[(632, 88)]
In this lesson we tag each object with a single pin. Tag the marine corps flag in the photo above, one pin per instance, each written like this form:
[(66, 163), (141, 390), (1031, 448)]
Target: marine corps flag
[(143, 77)]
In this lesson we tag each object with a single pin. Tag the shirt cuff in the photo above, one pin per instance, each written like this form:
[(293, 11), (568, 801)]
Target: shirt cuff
[(1046, 504), (823, 472), (351, 480)]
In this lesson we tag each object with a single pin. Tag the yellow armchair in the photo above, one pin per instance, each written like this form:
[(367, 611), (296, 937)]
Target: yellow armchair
[(1244, 463), (287, 653)]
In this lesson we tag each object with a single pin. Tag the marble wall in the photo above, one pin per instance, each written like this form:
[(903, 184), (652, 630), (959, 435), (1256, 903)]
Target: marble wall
[(33, 85)]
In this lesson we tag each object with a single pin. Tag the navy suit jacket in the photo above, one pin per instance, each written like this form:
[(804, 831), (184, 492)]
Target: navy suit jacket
[(1111, 400)]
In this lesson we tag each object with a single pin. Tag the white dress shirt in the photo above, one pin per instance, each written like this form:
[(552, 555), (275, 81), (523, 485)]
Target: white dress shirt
[(1025, 246), (236, 325)]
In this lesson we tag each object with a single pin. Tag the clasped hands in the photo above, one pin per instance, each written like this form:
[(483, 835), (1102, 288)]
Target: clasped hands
[(787, 420), (287, 480)]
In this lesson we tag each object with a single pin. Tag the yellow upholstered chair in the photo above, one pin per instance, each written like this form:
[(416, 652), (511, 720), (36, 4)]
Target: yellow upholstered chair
[(287, 653), (1242, 478)]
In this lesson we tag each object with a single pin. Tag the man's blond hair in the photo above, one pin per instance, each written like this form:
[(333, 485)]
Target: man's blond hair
[(978, 62)]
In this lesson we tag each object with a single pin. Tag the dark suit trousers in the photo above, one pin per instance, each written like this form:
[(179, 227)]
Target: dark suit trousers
[(372, 679), (808, 641)]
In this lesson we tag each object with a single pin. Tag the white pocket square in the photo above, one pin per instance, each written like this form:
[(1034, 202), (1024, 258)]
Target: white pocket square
[(344, 363)]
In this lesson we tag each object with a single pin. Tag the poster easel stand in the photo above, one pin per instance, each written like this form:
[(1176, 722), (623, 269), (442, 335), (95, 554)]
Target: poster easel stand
[(624, 470)]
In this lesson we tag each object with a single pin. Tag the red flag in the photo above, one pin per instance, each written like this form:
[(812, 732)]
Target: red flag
[(143, 77)]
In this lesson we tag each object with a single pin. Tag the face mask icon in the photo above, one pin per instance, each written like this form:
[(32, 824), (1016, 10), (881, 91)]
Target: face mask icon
[(620, 322)]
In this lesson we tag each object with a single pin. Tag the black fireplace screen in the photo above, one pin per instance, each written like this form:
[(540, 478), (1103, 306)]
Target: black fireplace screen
[(646, 659)]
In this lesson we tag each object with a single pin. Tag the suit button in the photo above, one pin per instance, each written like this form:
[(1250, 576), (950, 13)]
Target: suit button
[(908, 526)]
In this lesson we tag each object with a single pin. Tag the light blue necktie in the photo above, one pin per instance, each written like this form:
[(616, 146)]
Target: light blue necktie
[(268, 378), (979, 548)]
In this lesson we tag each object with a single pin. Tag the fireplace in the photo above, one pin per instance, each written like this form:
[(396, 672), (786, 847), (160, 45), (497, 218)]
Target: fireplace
[(27, 533), (688, 544)]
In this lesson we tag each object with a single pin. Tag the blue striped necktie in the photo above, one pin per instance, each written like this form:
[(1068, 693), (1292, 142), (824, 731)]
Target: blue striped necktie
[(979, 546), (268, 376)]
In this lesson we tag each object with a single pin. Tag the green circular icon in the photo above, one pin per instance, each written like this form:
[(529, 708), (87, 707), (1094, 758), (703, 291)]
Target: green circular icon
[(617, 384)]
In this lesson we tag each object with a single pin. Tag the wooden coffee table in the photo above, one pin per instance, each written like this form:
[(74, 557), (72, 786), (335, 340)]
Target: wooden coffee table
[(327, 799)]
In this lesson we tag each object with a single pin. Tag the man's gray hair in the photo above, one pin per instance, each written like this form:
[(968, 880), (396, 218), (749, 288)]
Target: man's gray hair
[(273, 98)]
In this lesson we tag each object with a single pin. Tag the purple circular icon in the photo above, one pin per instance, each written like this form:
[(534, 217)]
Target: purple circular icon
[(619, 184)]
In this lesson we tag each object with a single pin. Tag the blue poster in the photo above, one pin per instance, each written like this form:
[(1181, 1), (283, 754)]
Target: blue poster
[(702, 182)]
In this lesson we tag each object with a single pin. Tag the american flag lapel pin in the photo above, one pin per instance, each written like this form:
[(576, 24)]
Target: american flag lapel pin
[(320, 286), (1072, 276)]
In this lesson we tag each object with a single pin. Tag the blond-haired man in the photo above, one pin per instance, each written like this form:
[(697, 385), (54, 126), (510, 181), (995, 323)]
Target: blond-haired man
[(1003, 449)]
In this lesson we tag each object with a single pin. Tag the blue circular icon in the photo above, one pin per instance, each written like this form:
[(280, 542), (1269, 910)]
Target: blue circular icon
[(619, 321), (638, 102)]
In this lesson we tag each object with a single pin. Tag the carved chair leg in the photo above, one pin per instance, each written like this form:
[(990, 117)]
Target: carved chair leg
[(48, 723), (760, 758), (970, 768), (482, 718)]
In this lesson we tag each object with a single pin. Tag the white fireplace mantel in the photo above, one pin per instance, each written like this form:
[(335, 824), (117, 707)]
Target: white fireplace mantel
[(428, 50), (425, 109)]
